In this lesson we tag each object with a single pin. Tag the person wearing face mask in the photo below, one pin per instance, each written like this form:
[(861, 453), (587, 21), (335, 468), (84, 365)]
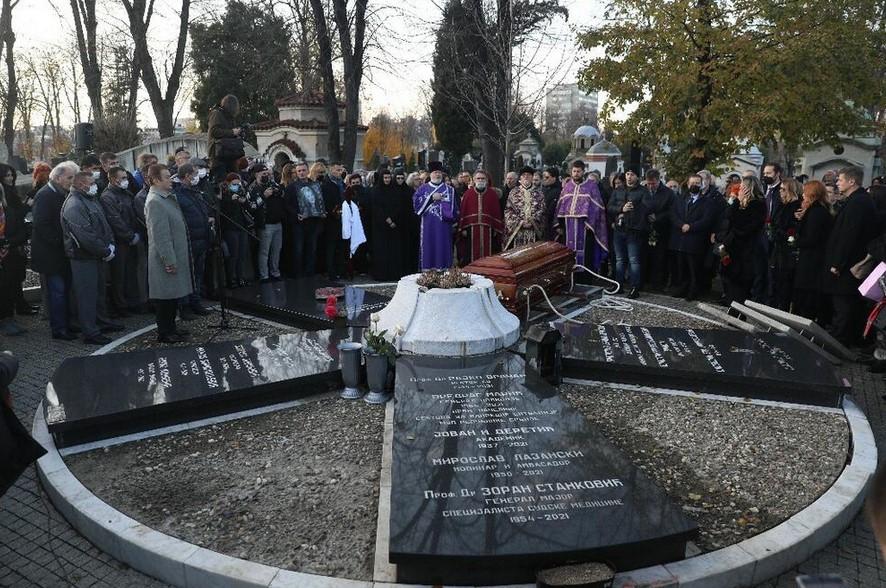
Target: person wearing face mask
[(195, 210), (116, 201), (92, 164), (233, 228), (691, 220), (89, 244), (480, 222), (524, 213), (580, 219), (435, 205)]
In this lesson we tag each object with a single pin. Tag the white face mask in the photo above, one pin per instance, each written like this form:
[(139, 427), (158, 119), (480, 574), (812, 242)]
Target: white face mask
[(124, 183), (480, 185), (96, 175), (202, 172), (93, 190), (195, 180)]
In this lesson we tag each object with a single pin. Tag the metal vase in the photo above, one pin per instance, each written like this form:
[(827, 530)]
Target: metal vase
[(350, 357), (377, 368)]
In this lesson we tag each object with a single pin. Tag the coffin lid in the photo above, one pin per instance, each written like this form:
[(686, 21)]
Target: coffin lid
[(521, 256)]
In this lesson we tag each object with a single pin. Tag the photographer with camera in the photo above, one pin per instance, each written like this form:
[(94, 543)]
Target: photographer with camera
[(269, 211), (225, 139)]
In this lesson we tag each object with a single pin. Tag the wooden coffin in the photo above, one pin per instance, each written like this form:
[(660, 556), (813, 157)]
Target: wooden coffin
[(545, 263)]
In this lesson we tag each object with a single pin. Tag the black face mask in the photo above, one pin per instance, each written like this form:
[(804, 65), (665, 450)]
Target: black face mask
[(768, 180), (695, 189)]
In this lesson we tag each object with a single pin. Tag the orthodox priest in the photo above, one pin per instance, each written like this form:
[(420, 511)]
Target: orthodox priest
[(524, 212), (434, 203), (581, 218), (479, 222)]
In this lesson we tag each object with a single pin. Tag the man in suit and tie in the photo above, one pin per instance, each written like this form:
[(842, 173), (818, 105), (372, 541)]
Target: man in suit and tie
[(691, 219)]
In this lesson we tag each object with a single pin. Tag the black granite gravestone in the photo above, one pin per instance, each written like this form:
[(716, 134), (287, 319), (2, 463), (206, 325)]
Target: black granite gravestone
[(101, 396), (764, 366), (293, 302), (494, 477)]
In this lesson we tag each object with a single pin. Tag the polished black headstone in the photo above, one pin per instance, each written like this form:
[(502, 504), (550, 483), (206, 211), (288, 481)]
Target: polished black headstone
[(494, 476), (101, 396), (765, 366), (293, 302)]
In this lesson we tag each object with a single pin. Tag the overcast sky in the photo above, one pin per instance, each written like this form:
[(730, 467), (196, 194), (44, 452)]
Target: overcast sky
[(400, 65)]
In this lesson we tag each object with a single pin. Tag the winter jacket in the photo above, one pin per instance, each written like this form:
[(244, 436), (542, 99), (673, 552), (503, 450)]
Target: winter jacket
[(117, 204), (87, 233), (636, 220), (196, 212)]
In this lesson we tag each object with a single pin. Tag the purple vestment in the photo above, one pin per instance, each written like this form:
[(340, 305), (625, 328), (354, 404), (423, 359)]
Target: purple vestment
[(435, 245), (581, 209)]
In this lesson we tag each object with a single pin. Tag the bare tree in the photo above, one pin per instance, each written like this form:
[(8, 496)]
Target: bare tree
[(46, 71), (7, 38), (85, 27), (499, 44), (352, 54), (140, 13), (330, 100)]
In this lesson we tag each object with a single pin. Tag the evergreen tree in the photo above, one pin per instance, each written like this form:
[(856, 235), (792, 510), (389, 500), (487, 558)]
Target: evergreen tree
[(246, 53)]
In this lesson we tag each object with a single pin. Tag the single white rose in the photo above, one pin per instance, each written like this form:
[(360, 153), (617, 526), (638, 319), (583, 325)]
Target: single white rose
[(398, 330), (374, 317)]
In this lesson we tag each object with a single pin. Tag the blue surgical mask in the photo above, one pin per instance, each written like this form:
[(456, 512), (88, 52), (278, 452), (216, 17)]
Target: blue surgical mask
[(234, 188)]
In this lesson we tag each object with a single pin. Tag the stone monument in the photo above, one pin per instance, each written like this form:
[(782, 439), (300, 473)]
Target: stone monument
[(456, 322)]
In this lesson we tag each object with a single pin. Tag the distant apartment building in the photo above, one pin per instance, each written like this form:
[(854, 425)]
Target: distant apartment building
[(567, 107)]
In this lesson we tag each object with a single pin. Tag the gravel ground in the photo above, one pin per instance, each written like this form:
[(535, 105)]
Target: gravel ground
[(642, 315), (202, 331), (296, 488), (381, 290), (737, 469)]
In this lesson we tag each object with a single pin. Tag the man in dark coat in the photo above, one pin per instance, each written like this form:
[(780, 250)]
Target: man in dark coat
[(116, 201), (89, 243), (221, 132), (48, 249), (661, 202), (196, 212), (854, 227), (551, 187), (691, 220), (332, 189), (628, 212)]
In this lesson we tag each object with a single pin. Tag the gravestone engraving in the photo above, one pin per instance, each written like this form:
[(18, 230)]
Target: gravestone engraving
[(765, 366), (494, 476), (100, 396), (294, 302)]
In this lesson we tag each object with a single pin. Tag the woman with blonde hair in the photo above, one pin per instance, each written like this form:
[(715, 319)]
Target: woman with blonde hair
[(784, 239), (741, 241), (813, 231)]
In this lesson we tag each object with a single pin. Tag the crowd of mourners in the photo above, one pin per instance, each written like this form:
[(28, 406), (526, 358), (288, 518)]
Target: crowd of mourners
[(109, 242)]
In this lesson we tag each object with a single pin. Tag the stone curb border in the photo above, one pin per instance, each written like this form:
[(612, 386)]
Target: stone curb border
[(189, 566)]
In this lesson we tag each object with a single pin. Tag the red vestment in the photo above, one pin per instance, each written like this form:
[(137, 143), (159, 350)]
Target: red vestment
[(480, 217)]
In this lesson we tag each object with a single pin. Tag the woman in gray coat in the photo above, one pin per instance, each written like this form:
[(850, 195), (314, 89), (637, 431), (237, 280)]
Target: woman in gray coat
[(169, 256)]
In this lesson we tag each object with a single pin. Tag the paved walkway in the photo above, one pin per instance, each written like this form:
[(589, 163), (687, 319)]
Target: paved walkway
[(38, 548)]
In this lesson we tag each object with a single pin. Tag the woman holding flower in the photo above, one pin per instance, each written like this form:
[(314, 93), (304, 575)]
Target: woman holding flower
[(784, 238), (742, 241), (812, 236)]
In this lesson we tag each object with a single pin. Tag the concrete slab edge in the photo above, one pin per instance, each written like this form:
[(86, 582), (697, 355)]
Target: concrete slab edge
[(189, 566)]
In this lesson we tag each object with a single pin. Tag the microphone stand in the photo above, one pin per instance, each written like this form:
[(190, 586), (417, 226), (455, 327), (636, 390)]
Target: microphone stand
[(224, 323)]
